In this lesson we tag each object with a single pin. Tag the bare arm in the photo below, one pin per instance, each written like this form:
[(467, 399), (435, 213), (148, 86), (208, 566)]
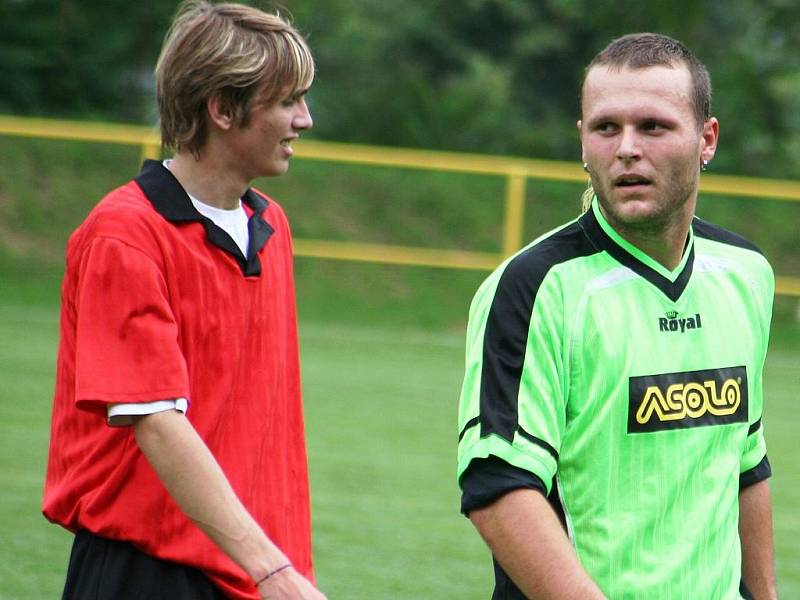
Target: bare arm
[(755, 531), (194, 479), (527, 539)]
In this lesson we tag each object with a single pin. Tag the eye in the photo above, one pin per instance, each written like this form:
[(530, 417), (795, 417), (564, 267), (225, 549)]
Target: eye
[(653, 126), (605, 127), (293, 99)]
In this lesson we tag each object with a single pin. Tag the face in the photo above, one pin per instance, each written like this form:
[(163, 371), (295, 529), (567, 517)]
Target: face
[(262, 146), (644, 145)]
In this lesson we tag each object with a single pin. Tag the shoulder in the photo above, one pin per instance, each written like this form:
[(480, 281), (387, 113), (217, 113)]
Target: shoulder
[(721, 251), (709, 231), (528, 268), (127, 202), (721, 244), (125, 215), (513, 288)]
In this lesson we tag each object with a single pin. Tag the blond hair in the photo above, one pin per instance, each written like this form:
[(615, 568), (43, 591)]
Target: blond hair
[(586, 197), (229, 52)]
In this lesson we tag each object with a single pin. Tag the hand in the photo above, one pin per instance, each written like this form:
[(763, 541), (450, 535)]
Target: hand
[(289, 585)]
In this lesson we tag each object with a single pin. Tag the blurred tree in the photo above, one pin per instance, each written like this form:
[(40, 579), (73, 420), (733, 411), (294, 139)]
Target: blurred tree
[(482, 75), (754, 59), (498, 76), (74, 58), (503, 75)]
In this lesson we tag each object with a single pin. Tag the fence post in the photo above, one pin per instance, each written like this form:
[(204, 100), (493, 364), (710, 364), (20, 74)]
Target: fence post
[(150, 150), (514, 212)]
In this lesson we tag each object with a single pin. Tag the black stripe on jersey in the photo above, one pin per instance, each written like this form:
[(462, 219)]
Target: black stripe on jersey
[(506, 335), (754, 427), (709, 231), (760, 472), (539, 442), (671, 290), (471, 423), (532, 438)]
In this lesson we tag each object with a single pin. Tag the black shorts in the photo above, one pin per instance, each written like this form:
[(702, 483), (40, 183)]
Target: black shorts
[(103, 569)]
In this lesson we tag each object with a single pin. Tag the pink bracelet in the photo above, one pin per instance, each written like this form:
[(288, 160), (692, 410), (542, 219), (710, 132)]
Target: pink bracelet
[(270, 574)]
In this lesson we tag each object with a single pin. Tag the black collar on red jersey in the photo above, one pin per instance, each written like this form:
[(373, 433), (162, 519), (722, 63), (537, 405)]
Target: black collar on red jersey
[(602, 241), (172, 202)]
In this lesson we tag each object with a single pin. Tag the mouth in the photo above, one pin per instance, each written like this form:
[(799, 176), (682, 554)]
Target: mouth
[(287, 142), (629, 180)]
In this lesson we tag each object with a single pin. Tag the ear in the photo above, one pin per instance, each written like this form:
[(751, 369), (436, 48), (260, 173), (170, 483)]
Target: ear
[(217, 114), (579, 124), (709, 139)]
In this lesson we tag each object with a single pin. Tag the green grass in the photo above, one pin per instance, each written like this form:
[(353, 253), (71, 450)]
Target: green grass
[(381, 425), (382, 362), (381, 408), (781, 416), (32, 553)]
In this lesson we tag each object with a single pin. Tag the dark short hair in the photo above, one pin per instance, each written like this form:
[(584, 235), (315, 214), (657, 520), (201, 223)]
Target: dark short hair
[(642, 50)]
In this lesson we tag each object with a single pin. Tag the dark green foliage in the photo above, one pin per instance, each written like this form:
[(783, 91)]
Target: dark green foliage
[(69, 58), (496, 76), (503, 76)]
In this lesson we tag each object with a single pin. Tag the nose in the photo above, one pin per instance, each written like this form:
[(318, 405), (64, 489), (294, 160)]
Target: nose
[(302, 118), (628, 148)]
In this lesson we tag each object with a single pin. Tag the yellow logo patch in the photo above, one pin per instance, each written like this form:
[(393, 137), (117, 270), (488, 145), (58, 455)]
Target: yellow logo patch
[(687, 399)]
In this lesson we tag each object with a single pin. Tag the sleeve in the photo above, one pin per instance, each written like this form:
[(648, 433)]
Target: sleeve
[(121, 415), (487, 479), (127, 348), (754, 466), (512, 400)]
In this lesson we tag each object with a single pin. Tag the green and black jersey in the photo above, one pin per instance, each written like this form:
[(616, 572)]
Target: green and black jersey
[(631, 394)]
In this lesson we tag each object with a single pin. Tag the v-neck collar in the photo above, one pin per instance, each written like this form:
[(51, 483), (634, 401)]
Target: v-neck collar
[(605, 237), (172, 202)]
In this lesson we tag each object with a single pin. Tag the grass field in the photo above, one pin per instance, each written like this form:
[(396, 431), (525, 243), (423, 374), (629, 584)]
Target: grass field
[(381, 406), (380, 395)]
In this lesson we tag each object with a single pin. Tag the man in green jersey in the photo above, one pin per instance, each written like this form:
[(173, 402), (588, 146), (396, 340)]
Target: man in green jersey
[(611, 443)]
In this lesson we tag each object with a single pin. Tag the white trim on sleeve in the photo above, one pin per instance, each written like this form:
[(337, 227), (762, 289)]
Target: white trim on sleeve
[(122, 414)]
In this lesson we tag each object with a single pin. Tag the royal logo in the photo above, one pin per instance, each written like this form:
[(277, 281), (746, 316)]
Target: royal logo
[(671, 322), (688, 399)]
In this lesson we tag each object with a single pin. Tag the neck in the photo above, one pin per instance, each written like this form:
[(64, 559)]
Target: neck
[(667, 252), (663, 241), (206, 180)]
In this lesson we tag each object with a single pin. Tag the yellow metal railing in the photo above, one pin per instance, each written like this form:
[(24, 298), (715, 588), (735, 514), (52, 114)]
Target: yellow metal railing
[(516, 172)]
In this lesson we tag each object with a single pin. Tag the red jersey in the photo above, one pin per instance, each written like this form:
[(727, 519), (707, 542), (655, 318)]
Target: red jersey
[(160, 303)]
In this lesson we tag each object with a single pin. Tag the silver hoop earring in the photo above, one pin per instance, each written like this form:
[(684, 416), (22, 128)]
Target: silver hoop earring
[(586, 167), (704, 165)]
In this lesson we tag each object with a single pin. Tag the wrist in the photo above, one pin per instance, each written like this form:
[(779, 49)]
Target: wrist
[(273, 572), (260, 556)]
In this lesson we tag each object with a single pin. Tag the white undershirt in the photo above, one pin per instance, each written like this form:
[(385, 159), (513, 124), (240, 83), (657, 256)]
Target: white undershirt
[(234, 223)]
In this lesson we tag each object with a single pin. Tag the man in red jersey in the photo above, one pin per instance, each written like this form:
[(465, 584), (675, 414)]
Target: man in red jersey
[(177, 450)]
